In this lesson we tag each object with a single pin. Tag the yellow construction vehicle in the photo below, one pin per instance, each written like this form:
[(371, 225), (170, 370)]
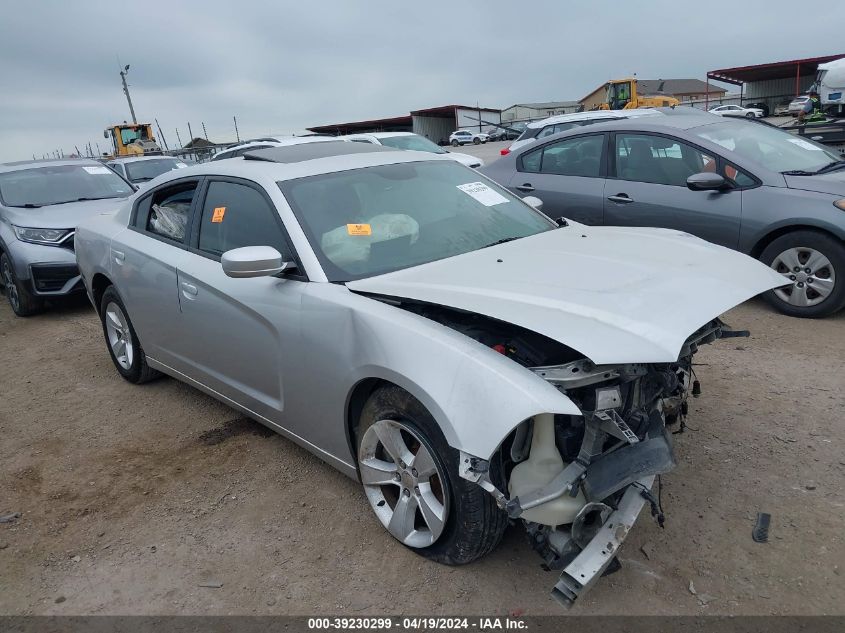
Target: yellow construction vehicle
[(622, 95), (132, 139)]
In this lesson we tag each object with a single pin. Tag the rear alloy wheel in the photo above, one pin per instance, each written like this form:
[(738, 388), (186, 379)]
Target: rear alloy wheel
[(22, 301), (476, 141), (749, 115), (124, 347), (814, 264), (410, 477), (455, 143)]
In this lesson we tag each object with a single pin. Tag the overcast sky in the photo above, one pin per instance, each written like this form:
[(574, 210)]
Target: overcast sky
[(283, 66)]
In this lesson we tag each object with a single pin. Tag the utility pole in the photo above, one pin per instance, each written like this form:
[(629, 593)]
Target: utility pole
[(204, 133), (123, 74), (190, 132), (179, 138), (161, 134), (237, 135)]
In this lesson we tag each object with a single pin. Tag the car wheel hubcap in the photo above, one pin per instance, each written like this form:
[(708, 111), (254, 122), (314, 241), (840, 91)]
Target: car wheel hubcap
[(120, 340), (403, 483), (11, 288), (811, 273)]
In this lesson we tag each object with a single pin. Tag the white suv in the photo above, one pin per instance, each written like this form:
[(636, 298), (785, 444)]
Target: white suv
[(462, 137), (411, 141)]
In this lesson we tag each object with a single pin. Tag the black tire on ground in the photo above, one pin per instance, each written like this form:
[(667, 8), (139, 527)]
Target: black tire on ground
[(749, 115), (138, 371), (475, 524), (455, 143), (476, 141), (21, 300), (827, 245)]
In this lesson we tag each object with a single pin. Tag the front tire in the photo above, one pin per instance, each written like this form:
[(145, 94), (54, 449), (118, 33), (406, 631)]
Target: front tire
[(122, 341), (750, 115), (814, 263), (410, 477), (21, 300), (476, 141)]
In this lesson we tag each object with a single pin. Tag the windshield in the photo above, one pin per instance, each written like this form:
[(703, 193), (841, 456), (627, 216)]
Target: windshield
[(412, 141), (767, 146), (56, 184), (143, 170), (375, 220)]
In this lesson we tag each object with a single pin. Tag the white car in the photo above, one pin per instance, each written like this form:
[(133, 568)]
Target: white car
[(735, 110), (463, 137), (563, 122), (283, 141), (139, 170), (411, 141)]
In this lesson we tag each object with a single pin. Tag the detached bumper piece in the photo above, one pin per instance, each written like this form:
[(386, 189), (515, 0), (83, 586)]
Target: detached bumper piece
[(55, 279), (579, 575)]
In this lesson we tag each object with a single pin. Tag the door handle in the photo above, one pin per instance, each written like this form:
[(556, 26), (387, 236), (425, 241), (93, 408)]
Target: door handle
[(189, 289), (622, 198), (526, 187), (119, 256)]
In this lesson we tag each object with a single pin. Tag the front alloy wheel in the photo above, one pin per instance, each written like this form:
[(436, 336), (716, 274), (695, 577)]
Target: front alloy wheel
[(22, 302), (403, 483)]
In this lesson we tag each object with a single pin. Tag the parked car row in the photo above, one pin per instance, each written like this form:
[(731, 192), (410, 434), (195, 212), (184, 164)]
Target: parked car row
[(470, 381)]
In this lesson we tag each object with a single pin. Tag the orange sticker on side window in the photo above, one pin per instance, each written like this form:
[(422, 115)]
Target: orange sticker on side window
[(359, 229), (219, 212)]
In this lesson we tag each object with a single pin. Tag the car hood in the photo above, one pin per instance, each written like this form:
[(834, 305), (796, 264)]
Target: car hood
[(465, 159), (62, 216), (616, 295), (832, 183)]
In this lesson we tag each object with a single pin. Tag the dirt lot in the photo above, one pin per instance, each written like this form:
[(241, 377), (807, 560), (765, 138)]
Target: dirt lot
[(132, 497)]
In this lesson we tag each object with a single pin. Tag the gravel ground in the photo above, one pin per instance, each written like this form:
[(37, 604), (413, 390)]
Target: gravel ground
[(159, 500)]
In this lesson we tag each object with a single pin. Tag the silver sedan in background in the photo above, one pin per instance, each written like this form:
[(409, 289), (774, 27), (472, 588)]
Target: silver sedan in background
[(408, 321)]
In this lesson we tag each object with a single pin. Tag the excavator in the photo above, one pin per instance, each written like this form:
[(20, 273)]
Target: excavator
[(132, 139), (622, 95)]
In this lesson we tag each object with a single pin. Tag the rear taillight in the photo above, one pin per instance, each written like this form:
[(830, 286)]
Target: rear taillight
[(505, 151)]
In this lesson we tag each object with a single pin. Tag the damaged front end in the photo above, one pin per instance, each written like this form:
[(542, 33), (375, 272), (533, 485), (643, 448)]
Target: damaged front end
[(578, 483)]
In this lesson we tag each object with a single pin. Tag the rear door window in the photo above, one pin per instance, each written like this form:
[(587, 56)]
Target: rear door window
[(579, 156)]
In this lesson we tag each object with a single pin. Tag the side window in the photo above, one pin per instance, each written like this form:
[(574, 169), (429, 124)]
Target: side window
[(579, 156), (170, 211), (546, 131), (659, 160), (236, 215)]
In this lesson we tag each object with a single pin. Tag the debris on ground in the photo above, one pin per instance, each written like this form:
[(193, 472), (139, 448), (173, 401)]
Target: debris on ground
[(760, 533), (212, 584), (60, 600), (705, 599), (646, 550), (8, 518), (692, 588)]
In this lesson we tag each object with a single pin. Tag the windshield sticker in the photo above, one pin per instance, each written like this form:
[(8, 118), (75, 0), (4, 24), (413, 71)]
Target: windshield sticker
[(484, 194), (359, 229), (97, 170), (800, 142), (217, 216), (180, 165)]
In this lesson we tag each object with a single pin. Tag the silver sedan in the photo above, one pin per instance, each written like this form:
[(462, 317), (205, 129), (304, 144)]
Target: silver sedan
[(425, 331)]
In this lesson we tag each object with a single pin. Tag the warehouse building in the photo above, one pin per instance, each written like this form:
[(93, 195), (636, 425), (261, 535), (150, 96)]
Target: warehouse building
[(772, 83), (543, 110), (433, 123)]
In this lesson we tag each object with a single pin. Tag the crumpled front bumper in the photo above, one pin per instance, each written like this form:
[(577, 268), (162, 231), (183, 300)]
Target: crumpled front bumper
[(579, 575)]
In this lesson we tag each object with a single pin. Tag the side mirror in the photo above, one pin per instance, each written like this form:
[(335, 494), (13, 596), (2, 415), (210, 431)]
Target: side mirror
[(707, 181), (254, 261), (534, 202), (105, 133)]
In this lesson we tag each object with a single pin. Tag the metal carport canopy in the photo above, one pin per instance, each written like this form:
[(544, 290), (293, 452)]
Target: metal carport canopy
[(774, 70)]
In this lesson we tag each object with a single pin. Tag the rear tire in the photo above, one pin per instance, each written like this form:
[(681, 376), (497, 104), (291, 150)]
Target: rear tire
[(21, 300), (750, 115), (474, 524), (122, 341), (476, 141), (455, 143), (822, 289)]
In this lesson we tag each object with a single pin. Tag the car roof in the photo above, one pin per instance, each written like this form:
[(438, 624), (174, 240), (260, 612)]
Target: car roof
[(380, 134), (30, 164), (280, 142), (592, 115), (677, 121), (287, 163)]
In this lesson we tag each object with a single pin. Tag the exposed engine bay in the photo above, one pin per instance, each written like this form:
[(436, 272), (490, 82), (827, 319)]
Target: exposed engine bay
[(578, 483)]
